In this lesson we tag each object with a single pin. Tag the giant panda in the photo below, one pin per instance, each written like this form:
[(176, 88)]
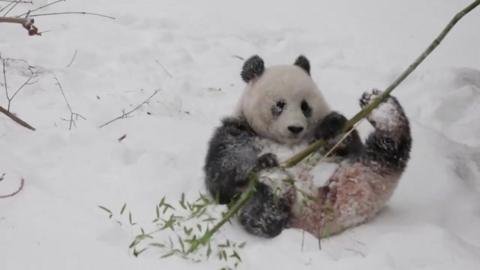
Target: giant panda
[(282, 109)]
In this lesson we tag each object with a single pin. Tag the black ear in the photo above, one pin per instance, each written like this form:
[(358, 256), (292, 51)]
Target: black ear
[(252, 68), (303, 62)]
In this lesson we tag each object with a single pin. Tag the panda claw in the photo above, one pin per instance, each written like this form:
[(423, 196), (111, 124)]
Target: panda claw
[(368, 96), (265, 161)]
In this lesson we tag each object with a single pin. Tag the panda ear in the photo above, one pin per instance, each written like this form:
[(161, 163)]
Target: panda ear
[(252, 68), (303, 63)]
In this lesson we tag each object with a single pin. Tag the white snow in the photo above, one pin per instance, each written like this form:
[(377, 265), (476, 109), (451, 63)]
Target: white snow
[(186, 50)]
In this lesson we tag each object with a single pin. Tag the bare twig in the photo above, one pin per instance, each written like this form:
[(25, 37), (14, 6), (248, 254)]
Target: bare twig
[(22, 183), (73, 115), (22, 86), (73, 59), (16, 119), (13, 1), (164, 68), (41, 7), (11, 8), (73, 12), (126, 114)]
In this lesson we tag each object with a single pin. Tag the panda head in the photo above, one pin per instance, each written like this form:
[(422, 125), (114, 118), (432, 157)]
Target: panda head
[(281, 103)]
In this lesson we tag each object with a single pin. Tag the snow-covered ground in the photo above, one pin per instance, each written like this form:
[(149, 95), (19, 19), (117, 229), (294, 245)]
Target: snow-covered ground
[(187, 50)]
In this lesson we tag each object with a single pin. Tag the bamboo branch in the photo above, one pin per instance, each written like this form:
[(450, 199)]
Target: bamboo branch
[(247, 194)]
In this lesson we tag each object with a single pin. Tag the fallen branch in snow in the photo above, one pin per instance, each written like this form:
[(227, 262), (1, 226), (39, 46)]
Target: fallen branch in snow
[(73, 115), (252, 179), (126, 114), (16, 119), (22, 183), (27, 82)]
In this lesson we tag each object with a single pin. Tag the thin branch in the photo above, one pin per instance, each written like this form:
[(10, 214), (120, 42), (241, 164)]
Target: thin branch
[(10, 3), (25, 83), (73, 59), (73, 12), (5, 84), (252, 180), (22, 183), (41, 7), (16, 119), (15, 4), (164, 68), (126, 114), (13, 1), (73, 115)]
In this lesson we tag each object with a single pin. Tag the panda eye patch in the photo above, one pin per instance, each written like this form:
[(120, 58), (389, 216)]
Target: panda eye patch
[(277, 109), (306, 109)]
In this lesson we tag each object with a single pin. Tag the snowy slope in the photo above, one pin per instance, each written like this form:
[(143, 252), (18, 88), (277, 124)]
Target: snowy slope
[(186, 50)]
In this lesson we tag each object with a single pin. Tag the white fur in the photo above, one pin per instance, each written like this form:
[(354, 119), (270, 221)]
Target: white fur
[(292, 84)]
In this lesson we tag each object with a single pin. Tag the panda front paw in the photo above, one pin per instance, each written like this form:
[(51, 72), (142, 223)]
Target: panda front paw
[(330, 126), (265, 161), (368, 96)]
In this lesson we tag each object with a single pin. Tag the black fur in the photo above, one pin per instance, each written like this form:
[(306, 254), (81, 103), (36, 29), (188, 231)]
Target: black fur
[(252, 68), (231, 156), (265, 214), (330, 127), (303, 62), (389, 148)]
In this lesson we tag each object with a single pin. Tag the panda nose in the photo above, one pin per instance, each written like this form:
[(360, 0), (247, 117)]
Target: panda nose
[(295, 129)]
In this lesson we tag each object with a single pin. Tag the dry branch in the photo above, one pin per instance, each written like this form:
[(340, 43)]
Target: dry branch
[(16, 119), (27, 23), (22, 183), (73, 115), (126, 114)]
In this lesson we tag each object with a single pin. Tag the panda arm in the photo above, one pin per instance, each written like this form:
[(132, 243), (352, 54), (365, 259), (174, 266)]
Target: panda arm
[(388, 146), (330, 127), (232, 154)]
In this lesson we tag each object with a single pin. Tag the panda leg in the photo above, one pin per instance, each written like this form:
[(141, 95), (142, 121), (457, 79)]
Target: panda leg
[(265, 214), (389, 145)]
